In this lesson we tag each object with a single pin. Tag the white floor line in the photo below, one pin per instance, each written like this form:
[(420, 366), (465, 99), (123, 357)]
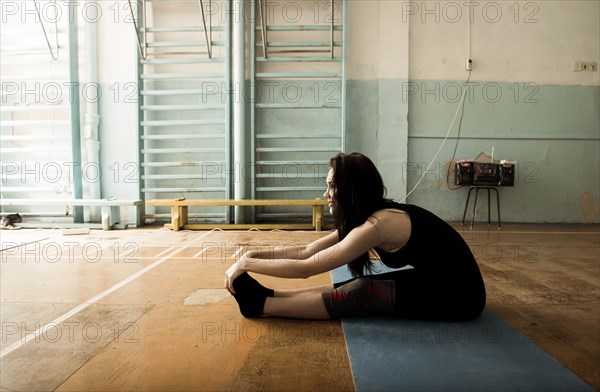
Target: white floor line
[(201, 252), (237, 252), (164, 251), (35, 334), (16, 245)]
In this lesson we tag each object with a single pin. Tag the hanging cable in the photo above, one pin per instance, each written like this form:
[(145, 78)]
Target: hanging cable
[(459, 108), (462, 112), (143, 49), (37, 10), (208, 40)]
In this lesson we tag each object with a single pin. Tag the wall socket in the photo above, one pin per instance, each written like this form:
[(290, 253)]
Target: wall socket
[(585, 66), (468, 64)]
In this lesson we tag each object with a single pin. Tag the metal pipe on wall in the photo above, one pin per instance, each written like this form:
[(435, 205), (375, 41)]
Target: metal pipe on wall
[(75, 113), (91, 118), (239, 118)]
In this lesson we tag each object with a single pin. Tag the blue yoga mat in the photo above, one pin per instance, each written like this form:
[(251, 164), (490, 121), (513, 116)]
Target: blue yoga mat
[(487, 354)]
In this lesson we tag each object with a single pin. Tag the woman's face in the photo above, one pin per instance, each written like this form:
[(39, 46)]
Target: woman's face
[(330, 191)]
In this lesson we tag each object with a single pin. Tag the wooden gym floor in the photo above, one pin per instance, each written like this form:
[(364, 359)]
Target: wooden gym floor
[(145, 309)]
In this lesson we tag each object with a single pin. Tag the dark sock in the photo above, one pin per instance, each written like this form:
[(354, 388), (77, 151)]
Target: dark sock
[(250, 295)]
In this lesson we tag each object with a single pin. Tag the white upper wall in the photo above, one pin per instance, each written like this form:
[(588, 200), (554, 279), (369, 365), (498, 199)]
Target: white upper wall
[(512, 41), (377, 42)]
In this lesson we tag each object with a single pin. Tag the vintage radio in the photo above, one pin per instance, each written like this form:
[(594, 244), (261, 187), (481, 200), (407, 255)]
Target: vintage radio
[(506, 174), (464, 173), (485, 174)]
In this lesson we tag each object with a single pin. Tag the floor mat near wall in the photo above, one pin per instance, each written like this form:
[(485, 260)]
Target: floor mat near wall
[(486, 354)]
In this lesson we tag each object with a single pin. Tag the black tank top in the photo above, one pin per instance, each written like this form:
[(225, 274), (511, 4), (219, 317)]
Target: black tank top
[(433, 243)]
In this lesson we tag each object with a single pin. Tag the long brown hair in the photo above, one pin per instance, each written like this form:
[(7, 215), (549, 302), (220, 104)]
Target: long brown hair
[(359, 192)]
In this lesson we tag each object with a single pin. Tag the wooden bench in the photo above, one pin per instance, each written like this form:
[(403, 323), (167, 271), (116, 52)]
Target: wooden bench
[(179, 213), (110, 208)]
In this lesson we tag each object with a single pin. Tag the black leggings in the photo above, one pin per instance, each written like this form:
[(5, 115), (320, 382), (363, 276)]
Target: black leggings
[(436, 295)]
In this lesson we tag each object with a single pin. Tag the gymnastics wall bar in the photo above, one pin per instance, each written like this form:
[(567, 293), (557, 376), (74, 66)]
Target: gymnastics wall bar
[(318, 46), (300, 135), (40, 133), (184, 127), (143, 44)]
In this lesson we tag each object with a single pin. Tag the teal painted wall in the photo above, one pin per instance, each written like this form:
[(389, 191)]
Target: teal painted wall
[(553, 132)]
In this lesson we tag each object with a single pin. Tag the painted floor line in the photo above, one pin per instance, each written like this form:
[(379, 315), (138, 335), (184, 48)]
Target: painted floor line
[(16, 245), (237, 252), (35, 334), (165, 251)]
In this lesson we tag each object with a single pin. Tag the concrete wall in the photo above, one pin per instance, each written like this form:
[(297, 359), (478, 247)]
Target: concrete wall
[(377, 68), (524, 100), (405, 74)]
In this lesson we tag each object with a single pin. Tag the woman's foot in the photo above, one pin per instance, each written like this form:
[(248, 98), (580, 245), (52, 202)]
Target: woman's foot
[(250, 295)]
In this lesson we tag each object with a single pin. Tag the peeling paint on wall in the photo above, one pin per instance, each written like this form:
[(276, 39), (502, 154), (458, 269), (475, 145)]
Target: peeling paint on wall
[(589, 207)]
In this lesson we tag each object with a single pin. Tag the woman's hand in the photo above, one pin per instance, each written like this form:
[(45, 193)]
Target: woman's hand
[(233, 272)]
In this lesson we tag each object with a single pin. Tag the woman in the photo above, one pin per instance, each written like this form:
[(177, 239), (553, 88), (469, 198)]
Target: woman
[(444, 283)]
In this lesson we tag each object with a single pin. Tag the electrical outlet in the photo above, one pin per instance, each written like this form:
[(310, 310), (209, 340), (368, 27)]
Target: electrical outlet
[(585, 66), (589, 67), (468, 64)]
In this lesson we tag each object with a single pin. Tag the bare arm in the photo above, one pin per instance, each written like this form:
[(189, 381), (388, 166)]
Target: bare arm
[(292, 251), (324, 255)]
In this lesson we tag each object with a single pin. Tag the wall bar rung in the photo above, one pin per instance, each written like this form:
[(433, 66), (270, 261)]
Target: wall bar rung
[(177, 137), (35, 123), (182, 76), (10, 138), (298, 59), (278, 163), (10, 32), (190, 215), (31, 60), (182, 29), (302, 28), (33, 150), (292, 174), (183, 176), (298, 75), (296, 106), (296, 136), (180, 150), (29, 49), (181, 91), (32, 164), (35, 78), (298, 51), (199, 60), (298, 149), (183, 164), (180, 190), (174, 1), (301, 44), (290, 189), (177, 44), (163, 108), (33, 108), (162, 123)]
